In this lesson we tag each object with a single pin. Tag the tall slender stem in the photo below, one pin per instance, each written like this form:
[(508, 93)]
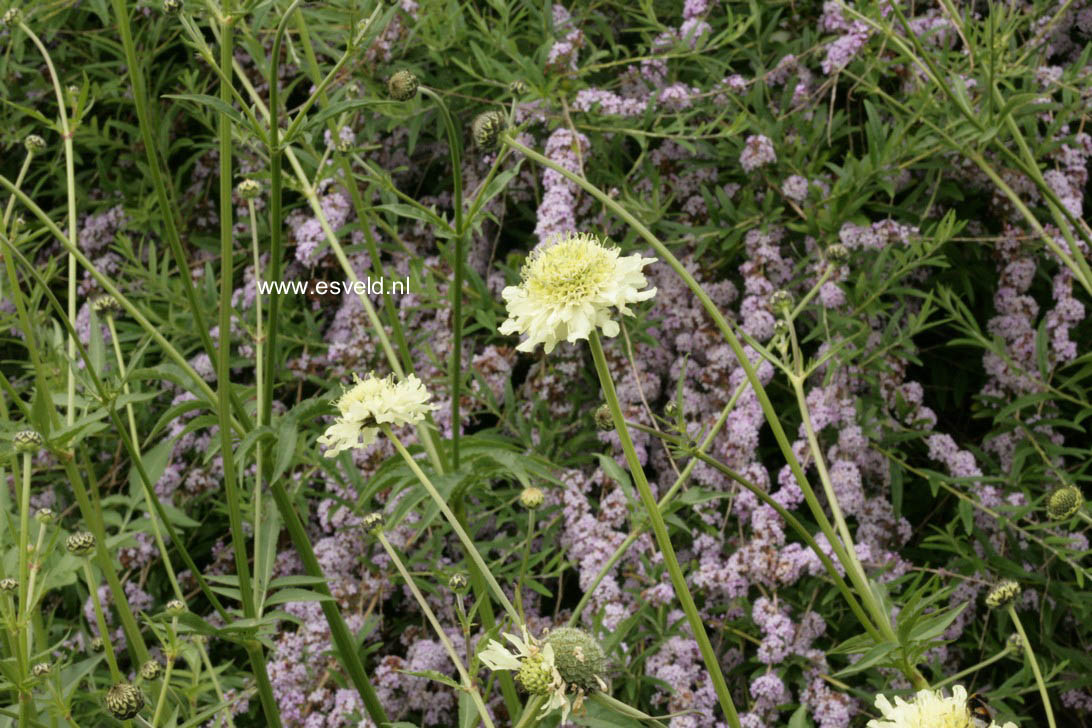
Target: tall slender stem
[(1030, 654), (663, 539)]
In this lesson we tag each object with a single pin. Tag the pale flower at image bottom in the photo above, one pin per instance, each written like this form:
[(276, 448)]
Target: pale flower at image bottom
[(928, 709)]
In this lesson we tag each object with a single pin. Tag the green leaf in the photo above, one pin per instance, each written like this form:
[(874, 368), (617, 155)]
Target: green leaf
[(293, 594)]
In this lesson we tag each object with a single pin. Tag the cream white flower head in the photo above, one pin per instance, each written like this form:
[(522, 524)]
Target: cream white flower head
[(929, 709), (371, 402), (535, 670), (568, 288)]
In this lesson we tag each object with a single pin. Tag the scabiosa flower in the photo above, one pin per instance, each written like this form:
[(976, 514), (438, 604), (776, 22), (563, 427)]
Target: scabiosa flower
[(486, 128), (1003, 594), (150, 670), (34, 144), (567, 289), (124, 701), (8, 585), (535, 669), (371, 402), (176, 607), (402, 86), (929, 709), (27, 441), (531, 497), (1064, 502), (81, 543)]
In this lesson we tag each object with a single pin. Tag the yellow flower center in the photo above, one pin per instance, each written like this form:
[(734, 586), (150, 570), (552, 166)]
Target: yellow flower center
[(535, 675), (569, 271)]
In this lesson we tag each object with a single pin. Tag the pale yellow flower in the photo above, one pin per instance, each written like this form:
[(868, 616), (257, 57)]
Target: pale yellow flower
[(535, 670), (568, 288), (371, 402), (929, 709)]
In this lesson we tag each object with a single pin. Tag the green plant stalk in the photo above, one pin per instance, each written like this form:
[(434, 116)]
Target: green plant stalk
[(659, 529), (733, 342), (215, 680), (223, 377), (1030, 654), (460, 532), (485, 610), (975, 668), (33, 569), (18, 183), (259, 552), (153, 512), (24, 648), (458, 263), (155, 170), (425, 433), (162, 699), (100, 619), (339, 632), (468, 683), (70, 183)]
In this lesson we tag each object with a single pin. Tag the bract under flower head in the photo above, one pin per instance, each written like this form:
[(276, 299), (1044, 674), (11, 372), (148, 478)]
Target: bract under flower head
[(568, 289), (929, 709), (371, 402), (535, 667)]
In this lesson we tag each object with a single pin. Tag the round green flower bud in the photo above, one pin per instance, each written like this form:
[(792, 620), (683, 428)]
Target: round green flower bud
[(105, 304), (249, 189), (27, 441), (44, 515), (402, 86), (172, 7), (41, 669), (579, 657), (517, 87), (1003, 594), (18, 223), (8, 585), (604, 420), (81, 543), (781, 302), (34, 144), (73, 92), (671, 409), (373, 522), (1014, 642), (535, 676), (176, 607), (11, 18), (531, 497), (837, 253), (487, 127), (150, 670), (1065, 502), (96, 644), (458, 583), (124, 701)]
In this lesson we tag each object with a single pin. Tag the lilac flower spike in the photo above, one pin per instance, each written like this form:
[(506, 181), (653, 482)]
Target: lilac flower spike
[(568, 288)]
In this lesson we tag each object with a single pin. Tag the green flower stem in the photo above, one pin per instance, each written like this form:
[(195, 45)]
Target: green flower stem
[(162, 699), (223, 376), (1005, 652), (256, 519), (100, 619), (135, 69), (425, 433), (659, 528), (153, 512), (70, 183), (468, 683), (1030, 654), (24, 541), (726, 330), (34, 567), (468, 544), (339, 631), (638, 528), (530, 711), (18, 183), (458, 263), (488, 617), (200, 640)]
